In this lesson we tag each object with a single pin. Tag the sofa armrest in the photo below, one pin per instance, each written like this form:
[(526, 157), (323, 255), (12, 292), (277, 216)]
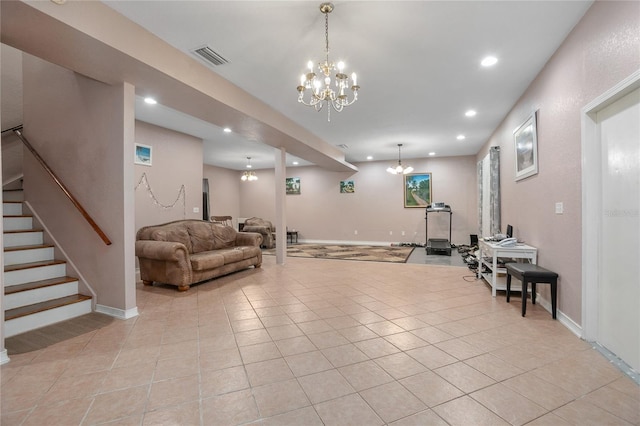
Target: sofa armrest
[(162, 250), (248, 239)]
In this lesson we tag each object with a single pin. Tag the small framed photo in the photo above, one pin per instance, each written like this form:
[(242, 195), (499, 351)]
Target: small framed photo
[(292, 186), (347, 187), (142, 154), (417, 190), (525, 138)]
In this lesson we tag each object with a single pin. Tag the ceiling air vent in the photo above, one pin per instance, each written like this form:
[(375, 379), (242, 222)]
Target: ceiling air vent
[(210, 55), (343, 146)]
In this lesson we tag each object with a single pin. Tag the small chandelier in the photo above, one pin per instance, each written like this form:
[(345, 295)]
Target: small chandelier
[(312, 85), (400, 169), (249, 175)]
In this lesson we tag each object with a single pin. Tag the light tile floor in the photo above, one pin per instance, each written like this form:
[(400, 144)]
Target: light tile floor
[(322, 342)]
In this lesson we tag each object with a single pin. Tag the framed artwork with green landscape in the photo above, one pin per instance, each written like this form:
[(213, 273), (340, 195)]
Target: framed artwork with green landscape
[(347, 187), (292, 186), (417, 190)]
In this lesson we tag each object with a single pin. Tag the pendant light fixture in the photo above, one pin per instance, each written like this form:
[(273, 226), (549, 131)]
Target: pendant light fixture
[(248, 175), (400, 169)]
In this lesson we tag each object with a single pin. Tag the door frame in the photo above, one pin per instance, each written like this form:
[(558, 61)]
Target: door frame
[(592, 200)]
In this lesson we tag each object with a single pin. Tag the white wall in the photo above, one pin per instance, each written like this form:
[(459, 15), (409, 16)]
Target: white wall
[(224, 191), (602, 50), (176, 160), (376, 209), (84, 131)]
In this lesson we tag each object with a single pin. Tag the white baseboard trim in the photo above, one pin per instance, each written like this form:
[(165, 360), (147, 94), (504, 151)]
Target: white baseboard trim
[(4, 357), (117, 313), (560, 316)]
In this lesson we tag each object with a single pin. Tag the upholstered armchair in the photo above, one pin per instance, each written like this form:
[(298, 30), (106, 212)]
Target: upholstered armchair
[(263, 227)]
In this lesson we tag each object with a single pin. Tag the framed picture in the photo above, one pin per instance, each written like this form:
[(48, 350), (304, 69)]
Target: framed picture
[(347, 187), (525, 139), (142, 154), (293, 186), (417, 190)]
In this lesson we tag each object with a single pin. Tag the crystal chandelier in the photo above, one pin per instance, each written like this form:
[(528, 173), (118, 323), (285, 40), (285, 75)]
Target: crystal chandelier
[(249, 175), (399, 169), (315, 91)]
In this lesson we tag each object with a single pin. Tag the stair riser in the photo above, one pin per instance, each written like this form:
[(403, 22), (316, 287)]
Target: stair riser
[(11, 208), (34, 274), (17, 223), (23, 239), (30, 297), (12, 196), (27, 256), (42, 319)]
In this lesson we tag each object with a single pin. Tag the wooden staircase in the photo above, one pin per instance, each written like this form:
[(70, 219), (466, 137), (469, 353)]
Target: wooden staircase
[(37, 290)]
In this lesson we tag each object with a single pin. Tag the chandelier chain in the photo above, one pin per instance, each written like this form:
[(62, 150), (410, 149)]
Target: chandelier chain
[(326, 34)]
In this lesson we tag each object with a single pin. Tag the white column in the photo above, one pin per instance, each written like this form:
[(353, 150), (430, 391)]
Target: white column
[(281, 206)]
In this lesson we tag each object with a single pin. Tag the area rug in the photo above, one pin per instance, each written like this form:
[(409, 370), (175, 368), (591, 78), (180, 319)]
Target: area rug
[(348, 252)]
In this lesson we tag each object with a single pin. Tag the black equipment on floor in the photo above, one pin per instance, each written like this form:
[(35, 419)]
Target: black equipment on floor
[(438, 245)]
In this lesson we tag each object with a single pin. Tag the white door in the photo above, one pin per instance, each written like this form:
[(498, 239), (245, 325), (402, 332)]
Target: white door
[(619, 250)]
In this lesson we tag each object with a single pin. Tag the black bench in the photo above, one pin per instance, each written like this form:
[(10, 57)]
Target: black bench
[(534, 274)]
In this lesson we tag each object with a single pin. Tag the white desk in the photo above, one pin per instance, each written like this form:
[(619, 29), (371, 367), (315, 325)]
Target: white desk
[(496, 276)]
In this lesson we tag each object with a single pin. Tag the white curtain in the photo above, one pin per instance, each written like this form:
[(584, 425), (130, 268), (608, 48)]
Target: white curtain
[(489, 193)]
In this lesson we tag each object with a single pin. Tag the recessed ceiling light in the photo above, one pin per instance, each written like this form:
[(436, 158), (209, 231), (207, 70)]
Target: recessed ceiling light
[(431, 154), (460, 137), (470, 113), (489, 61), (227, 130), (369, 157), (295, 163), (150, 101)]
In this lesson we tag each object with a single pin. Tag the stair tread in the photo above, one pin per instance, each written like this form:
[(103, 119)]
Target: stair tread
[(20, 266), (18, 231), (38, 284), (29, 247), (44, 306)]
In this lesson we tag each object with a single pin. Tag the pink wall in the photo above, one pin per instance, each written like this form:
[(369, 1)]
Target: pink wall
[(176, 160), (603, 49), (84, 131), (376, 208)]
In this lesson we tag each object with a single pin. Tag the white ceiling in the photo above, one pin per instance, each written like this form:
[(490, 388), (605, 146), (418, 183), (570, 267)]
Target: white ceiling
[(418, 65)]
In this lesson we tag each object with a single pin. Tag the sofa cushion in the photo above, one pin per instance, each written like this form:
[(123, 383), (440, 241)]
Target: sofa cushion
[(231, 255), (176, 234), (249, 251), (223, 236), (206, 260), (201, 236)]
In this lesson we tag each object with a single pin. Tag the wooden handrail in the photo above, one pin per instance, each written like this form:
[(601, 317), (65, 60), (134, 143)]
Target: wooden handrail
[(64, 189)]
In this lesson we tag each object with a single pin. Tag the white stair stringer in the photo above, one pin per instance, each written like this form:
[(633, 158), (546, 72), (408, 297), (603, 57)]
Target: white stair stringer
[(37, 290)]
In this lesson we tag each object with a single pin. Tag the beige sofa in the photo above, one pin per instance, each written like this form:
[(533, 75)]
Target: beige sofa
[(186, 252), (264, 228)]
